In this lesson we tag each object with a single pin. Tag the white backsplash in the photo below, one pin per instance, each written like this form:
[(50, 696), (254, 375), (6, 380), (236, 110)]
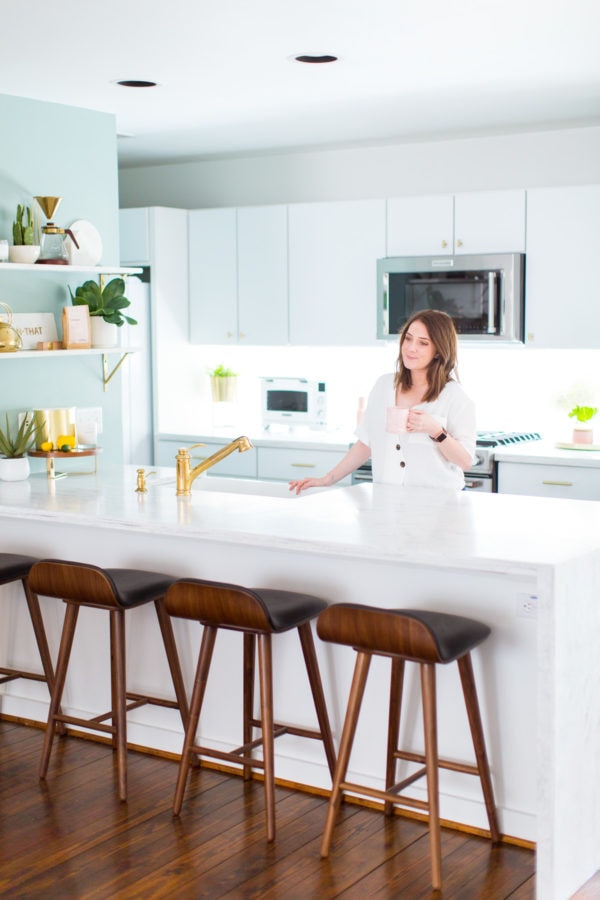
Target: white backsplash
[(513, 388)]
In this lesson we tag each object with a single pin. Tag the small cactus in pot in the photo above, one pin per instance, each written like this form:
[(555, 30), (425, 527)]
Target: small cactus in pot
[(23, 233), (23, 249)]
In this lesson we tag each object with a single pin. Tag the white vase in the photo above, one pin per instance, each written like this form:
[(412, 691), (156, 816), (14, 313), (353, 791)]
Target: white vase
[(104, 334), (16, 469), (23, 253)]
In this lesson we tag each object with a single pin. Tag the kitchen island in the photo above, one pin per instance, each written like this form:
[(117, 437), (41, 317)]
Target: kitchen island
[(529, 567)]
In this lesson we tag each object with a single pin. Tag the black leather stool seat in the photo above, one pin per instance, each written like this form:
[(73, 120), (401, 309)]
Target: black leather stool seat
[(16, 567), (415, 634), (258, 613), (427, 638), (93, 586), (115, 590), (265, 609)]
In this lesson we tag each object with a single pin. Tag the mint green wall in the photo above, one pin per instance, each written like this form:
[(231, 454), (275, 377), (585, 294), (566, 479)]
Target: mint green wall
[(50, 149)]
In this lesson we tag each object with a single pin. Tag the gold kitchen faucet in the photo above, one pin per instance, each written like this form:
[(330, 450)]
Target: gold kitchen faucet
[(186, 475)]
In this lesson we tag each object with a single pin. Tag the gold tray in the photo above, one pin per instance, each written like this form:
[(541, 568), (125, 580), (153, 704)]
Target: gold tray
[(76, 453)]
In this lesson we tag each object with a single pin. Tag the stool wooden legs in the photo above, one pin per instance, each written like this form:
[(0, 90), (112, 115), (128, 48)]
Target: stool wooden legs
[(64, 652), (249, 657), (269, 729), (432, 771), (465, 667), (207, 646), (316, 686), (121, 700), (359, 680), (168, 636), (35, 613), (430, 758), (265, 678)]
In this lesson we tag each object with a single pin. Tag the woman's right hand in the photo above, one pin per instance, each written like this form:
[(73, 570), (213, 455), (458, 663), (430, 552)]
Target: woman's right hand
[(304, 483)]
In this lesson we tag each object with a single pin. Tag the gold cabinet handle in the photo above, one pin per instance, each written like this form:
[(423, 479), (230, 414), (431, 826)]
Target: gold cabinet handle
[(444, 243), (559, 483), (303, 465), (459, 243), (242, 335)]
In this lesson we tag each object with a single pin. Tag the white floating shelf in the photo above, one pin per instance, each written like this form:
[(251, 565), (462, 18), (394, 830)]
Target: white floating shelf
[(93, 351), (65, 270)]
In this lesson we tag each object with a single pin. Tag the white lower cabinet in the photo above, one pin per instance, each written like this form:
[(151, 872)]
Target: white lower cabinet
[(282, 464), (541, 480)]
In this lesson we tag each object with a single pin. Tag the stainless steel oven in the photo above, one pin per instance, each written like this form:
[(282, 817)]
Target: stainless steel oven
[(482, 476)]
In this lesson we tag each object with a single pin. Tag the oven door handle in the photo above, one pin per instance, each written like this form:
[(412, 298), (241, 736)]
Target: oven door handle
[(472, 483)]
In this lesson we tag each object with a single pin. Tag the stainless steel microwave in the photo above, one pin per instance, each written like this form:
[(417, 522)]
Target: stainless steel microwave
[(484, 293)]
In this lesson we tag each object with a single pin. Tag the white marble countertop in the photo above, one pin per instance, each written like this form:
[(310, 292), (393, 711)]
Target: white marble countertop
[(473, 531), (547, 453)]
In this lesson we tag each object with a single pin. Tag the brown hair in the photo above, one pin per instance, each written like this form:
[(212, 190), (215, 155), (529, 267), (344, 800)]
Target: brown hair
[(442, 334)]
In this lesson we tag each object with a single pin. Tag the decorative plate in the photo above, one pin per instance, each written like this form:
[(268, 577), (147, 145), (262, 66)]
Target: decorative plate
[(90, 244)]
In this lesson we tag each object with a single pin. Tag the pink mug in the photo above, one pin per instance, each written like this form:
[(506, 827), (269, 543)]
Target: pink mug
[(395, 419)]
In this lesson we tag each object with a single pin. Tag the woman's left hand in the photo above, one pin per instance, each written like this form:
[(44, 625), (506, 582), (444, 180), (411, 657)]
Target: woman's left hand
[(422, 423)]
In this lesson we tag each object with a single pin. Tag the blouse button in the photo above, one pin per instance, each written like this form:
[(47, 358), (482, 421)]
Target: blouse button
[(398, 447), (402, 464)]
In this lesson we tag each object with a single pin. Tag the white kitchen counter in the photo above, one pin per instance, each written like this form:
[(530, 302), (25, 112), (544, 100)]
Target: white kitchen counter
[(547, 453), (492, 557)]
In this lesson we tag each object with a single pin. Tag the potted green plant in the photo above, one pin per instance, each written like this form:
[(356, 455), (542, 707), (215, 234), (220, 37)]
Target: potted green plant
[(223, 383), (23, 249), (583, 434), (106, 307), (14, 444)]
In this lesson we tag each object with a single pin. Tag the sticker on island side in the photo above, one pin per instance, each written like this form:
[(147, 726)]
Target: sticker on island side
[(35, 328)]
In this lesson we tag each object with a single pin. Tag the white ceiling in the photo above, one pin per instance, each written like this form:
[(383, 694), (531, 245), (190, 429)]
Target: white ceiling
[(422, 69)]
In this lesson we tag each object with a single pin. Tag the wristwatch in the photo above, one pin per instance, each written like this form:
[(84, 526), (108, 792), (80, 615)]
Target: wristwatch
[(440, 437)]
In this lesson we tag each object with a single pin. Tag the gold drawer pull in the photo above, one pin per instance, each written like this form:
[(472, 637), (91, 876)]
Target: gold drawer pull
[(559, 483), (303, 465)]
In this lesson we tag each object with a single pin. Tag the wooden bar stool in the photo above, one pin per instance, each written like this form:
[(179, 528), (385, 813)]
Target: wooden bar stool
[(429, 639), (16, 567), (257, 613), (115, 590)]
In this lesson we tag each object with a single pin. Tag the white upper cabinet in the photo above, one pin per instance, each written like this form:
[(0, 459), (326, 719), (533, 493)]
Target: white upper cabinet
[(563, 250), (489, 222), (479, 222), (420, 226), (262, 275), (134, 236), (333, 249), (238, 275), (213, 276)]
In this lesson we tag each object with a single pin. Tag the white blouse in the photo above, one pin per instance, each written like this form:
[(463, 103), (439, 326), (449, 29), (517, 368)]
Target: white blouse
[(414, 459)]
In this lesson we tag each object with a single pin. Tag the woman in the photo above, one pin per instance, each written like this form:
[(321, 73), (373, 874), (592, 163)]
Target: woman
[(438, 444)]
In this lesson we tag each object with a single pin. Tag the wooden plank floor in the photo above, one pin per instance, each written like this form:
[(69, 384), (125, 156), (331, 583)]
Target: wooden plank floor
[(70, 837)]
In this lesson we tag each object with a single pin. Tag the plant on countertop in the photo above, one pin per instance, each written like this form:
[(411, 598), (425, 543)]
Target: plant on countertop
[(583, 413), (23, 234), (14, 445), (107, 302), (222, 372)]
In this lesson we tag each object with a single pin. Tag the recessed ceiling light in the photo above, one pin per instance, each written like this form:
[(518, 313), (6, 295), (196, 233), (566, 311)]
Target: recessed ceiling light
[(315, 59), (134, 83)]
